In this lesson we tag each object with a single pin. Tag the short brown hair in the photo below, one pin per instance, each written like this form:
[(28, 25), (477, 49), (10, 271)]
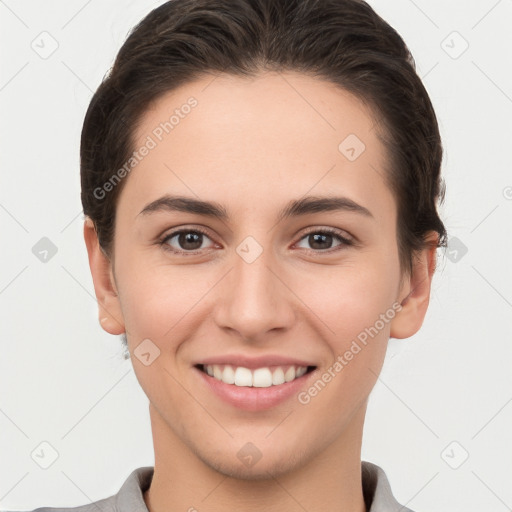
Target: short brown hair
[(342, 41)]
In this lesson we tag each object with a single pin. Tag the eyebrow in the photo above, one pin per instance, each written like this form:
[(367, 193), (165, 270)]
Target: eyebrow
[(295, 208)]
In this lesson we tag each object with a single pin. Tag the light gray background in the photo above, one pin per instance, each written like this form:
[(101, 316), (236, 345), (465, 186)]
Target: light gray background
[(444, 394)]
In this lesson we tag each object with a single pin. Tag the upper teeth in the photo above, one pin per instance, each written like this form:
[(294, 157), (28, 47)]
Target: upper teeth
[(259, 378)]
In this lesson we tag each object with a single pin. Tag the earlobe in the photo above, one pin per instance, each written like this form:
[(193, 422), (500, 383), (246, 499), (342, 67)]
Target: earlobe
[(109, 307), (415, 293)]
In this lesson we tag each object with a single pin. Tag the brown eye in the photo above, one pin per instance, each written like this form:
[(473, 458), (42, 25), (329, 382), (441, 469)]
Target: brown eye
[(185, 240), (320, 240), (323, 240)]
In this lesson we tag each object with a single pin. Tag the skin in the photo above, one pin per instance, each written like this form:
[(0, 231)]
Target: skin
[(252, 145)]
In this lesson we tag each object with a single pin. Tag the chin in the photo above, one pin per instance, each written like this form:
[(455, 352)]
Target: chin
[(263, 469)]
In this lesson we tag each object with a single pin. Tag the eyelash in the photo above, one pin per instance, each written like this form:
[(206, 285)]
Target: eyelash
[(330, 231)]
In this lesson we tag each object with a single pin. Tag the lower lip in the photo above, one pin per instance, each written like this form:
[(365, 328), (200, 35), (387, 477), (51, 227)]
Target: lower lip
[(254, 398)]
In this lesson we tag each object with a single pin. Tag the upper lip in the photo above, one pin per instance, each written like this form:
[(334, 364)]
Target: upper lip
[(253, 362)]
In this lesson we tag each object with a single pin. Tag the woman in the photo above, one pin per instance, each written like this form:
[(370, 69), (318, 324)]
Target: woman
[(260, 181)]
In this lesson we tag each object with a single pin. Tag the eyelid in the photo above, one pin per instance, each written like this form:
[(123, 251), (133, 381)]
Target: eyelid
[(345, 238), (162, 240), (344, 235)]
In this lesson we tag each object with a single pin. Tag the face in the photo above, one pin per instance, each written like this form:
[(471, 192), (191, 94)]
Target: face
[(262, 277)]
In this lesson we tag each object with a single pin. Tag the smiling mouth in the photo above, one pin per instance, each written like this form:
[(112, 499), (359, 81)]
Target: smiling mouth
[(263, 377)]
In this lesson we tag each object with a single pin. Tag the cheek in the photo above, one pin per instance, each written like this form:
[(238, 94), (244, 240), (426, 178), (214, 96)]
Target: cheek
[(353, 310), (159, 300), (349, 298)]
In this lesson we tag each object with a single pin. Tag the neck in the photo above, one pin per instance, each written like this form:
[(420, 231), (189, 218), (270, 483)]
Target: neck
[(329, 480)]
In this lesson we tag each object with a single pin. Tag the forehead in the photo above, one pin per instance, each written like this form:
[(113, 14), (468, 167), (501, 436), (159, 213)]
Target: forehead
[(262, 105), (275, 135)]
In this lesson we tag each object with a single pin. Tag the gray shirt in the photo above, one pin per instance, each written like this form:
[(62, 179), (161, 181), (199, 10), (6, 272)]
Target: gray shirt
[(376, 491)]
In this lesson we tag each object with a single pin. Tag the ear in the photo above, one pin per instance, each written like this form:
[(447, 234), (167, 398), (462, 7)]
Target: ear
[(109, 307), (415, 291)]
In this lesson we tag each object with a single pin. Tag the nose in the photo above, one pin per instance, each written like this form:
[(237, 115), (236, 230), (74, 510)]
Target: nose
[(254, 299)]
